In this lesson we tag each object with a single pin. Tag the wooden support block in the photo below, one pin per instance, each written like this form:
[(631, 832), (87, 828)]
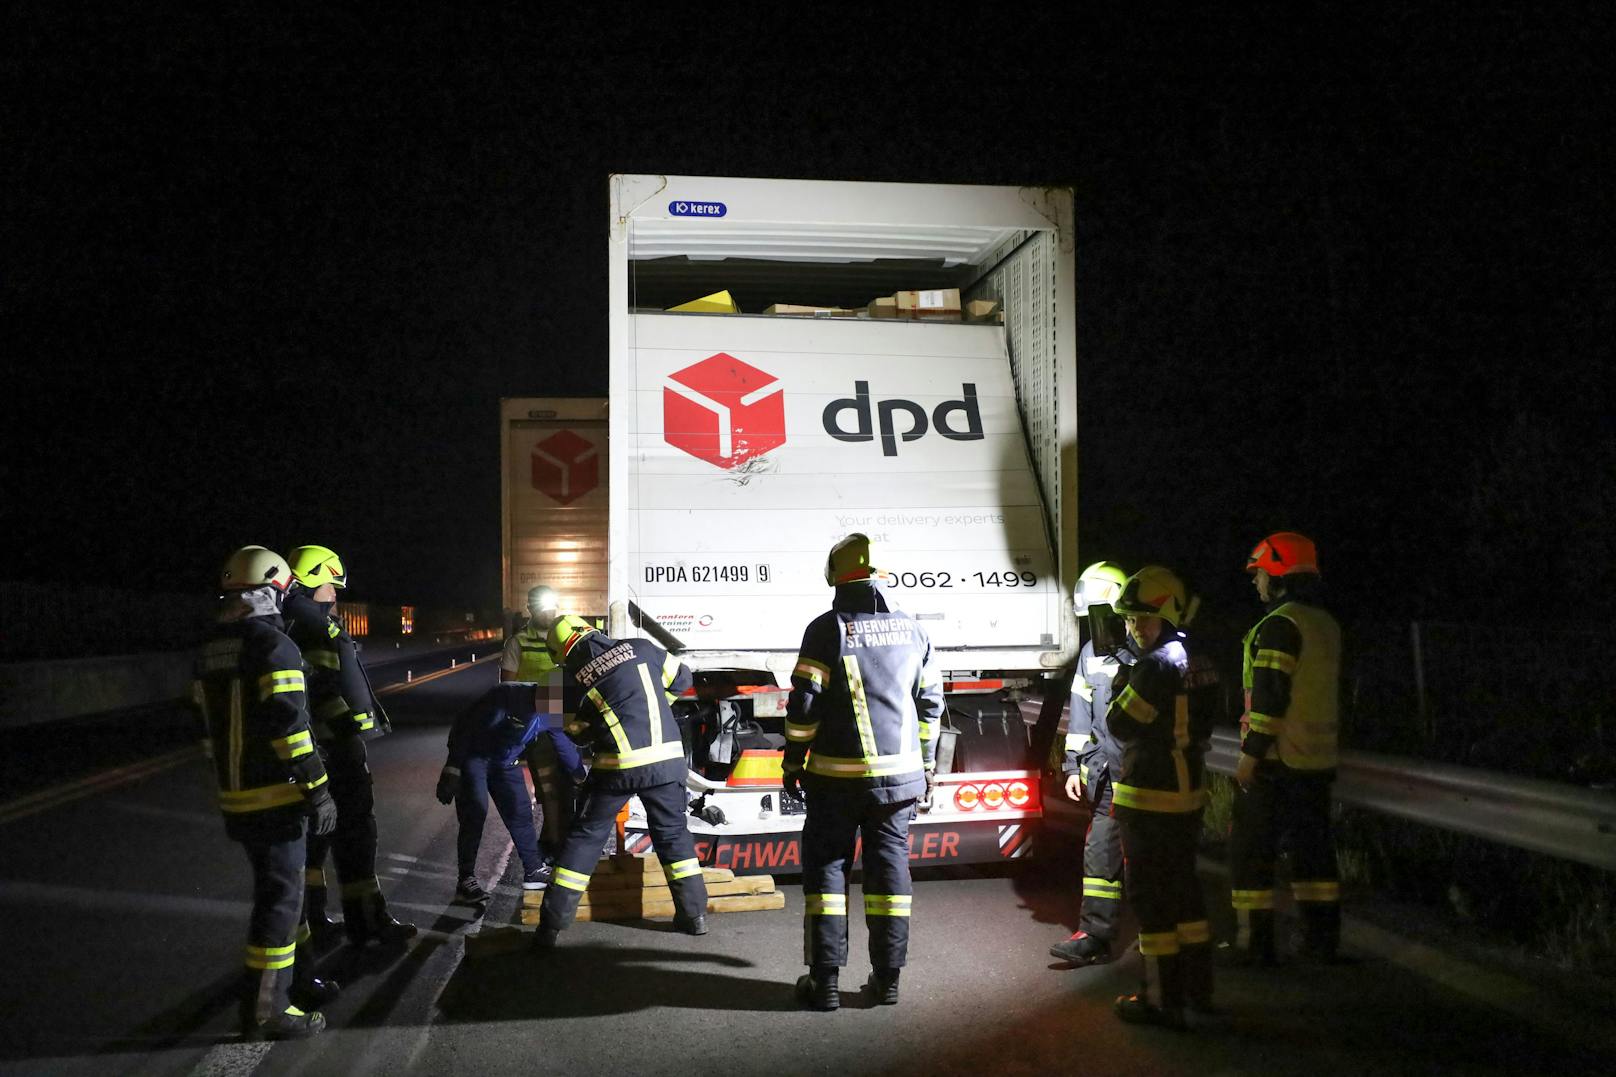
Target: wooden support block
[(648, 881), (655, 909)]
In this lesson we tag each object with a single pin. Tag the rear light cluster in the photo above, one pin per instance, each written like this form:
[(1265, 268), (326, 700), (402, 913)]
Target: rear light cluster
[(992, 796)]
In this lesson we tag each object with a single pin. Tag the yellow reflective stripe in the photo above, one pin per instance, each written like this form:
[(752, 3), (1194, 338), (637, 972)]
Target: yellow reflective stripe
[(332, 629), (316, 783), (815, 673), (1158, 943), (271, 957), (682, 869), (1194, 933), (280, 680), (610, 717), (801, 731), (1272, 659), (861, 706), (653, 712), (878, 767), (1251, 899), (1136, 706), (324, 659), (1083, 772), (259, 799), (928, 729), (289, 748), (1158, 800), (1265, 723), (572, 880), (364, 721), (825, 904), (362, 888), (640, 757), (670, 671), (1325, 890), (1102, 888), (887, 904)]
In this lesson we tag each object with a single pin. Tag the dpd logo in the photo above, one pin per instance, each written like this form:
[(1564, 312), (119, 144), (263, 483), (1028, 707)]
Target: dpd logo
[(565, 467), (723, 411)]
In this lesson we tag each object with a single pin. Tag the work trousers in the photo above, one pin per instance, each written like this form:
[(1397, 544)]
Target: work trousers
[(831, 834), (277, 956), (670, 836), (1285, 810), (353, 844), (1102, 862), (481, 777), (554, 788), (1174, 937)]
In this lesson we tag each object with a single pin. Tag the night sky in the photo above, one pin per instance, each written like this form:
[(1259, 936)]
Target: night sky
[(266, 275)]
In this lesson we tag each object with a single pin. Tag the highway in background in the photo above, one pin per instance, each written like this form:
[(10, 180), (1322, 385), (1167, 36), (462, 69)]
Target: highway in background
[(124, 908)]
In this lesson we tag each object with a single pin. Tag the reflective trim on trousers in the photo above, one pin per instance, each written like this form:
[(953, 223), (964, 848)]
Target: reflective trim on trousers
[(825, 904)]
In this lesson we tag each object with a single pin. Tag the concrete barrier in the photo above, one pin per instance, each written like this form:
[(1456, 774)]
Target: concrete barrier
[(34, 692)]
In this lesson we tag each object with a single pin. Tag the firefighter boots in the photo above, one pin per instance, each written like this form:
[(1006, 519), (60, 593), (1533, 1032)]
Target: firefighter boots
[(1082, 949), (321, 926), (367, 919), (883, 986), (817, 989), (690, 925), (290, 1024), (312, 993)]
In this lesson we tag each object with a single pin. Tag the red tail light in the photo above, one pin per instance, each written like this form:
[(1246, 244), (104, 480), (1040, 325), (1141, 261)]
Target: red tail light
[(1018, 794), (967, 798)]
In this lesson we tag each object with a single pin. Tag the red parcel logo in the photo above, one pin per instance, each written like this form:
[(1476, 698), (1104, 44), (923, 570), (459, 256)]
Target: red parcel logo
[(723, 411), (565, 467)]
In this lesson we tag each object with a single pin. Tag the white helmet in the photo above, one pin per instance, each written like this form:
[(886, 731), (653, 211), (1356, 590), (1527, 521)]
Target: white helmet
[(254, 566)]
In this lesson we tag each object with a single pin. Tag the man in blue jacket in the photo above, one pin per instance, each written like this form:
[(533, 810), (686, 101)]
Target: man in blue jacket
[(486, 746)]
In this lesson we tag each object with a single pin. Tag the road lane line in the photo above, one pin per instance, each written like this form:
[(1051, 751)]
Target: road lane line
[(403, 686), (58, 795)]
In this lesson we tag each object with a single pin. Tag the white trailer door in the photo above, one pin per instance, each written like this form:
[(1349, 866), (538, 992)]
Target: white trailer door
[(758, 442)]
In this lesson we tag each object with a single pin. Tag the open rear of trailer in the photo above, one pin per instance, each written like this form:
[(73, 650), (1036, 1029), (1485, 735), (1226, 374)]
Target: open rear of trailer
[(920, 391)]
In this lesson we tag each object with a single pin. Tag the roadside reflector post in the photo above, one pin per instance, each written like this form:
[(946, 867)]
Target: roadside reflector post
[(452, 663), (409, 675)]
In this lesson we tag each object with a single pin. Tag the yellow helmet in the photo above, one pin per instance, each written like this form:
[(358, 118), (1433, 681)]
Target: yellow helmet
[(849, 561), (564, 633), (1100, 582), (316, 565), (254, 566), (1154, 591)]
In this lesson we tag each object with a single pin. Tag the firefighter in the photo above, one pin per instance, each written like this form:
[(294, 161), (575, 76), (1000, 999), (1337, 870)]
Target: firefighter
[(626, 716), (1158, 798), (486, 746), (345, 715), (1093, 760), (250, 689), (1288, 754), (527, 658), (864, 710)]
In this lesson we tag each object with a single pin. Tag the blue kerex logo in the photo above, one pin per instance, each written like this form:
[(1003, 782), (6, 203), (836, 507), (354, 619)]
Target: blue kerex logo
[(697, 209)]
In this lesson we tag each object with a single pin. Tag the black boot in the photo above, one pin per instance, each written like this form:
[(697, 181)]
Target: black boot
[(1257, 949), (818, 990), (321, 926), (1082, 949), (314, 993), (1160, 1002), (883, 986), (690, 925), (367, 920), (290, 1024)]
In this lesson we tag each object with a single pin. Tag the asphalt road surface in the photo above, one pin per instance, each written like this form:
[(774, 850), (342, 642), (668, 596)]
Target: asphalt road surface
[(123, 908)]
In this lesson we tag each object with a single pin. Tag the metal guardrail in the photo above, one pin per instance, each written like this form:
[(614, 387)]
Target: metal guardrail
[(1545, 817)]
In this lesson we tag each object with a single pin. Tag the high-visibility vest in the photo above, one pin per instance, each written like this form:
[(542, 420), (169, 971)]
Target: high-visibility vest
[(536, 662), (1308, 730)]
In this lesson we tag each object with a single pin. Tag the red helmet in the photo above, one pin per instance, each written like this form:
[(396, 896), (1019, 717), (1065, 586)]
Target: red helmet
[(1282, 553)]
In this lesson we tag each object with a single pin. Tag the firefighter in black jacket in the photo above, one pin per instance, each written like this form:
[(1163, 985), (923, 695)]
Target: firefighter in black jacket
[(250, 688), (1158, 799), (626, 716), (1288, 755), (1093, 760), (864, 710), (346, 715)]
